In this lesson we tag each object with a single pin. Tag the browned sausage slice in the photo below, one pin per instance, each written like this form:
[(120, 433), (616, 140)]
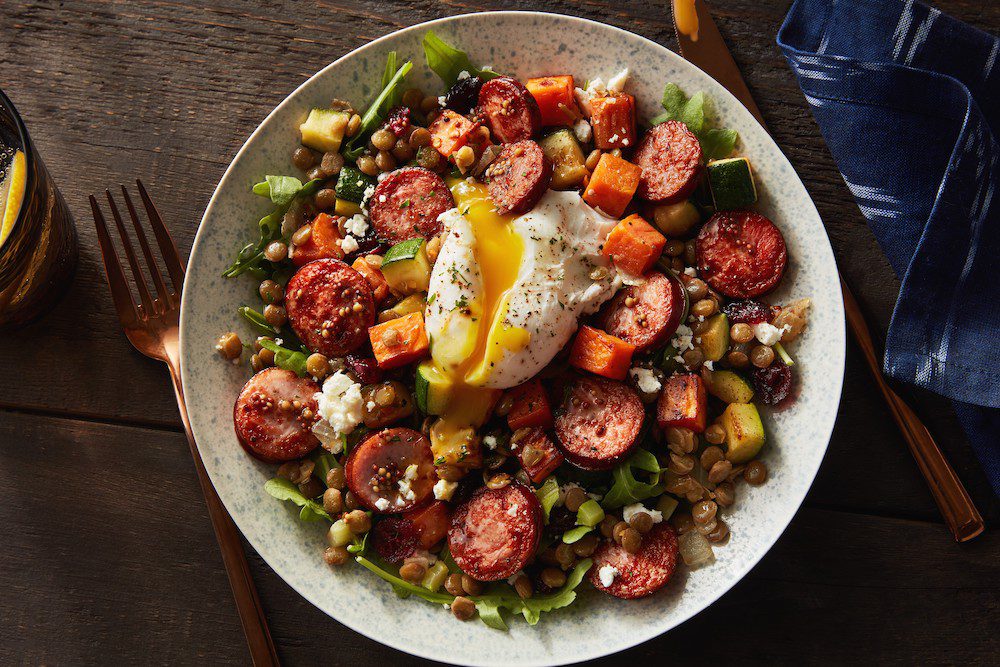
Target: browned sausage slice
[(741, 253), (270, 429), (670, 157), (330, 307), (406, 204), (392, 471), (639, 574), (518, 177), (495, 533), (509, 109), (656, 310), (598, 422)]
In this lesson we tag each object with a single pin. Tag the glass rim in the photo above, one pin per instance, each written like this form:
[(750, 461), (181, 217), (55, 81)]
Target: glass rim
[(7, 106)]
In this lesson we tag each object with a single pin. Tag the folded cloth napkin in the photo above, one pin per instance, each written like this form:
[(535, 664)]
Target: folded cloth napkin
[(908, 100)]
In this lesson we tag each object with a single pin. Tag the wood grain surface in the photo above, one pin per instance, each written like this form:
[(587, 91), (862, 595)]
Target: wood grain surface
[(109, 556)]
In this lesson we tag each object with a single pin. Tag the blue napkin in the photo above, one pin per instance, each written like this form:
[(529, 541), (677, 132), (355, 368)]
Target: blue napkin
[(908, 100)]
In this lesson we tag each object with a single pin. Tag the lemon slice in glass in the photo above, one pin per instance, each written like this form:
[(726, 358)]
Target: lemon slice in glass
[(11, 194)]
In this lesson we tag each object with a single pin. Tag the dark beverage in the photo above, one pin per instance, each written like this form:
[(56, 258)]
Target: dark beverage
[(38, 249)]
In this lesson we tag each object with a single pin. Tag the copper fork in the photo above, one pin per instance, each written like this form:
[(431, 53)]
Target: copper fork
[(151, 327)]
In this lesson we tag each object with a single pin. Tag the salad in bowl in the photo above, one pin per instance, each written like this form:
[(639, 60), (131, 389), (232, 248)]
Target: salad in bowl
[(513, 338)]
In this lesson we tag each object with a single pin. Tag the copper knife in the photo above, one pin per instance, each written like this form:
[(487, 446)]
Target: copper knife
[(701, 44)]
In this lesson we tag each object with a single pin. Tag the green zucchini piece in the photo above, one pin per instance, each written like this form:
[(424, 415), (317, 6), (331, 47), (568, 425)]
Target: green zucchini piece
[(352, 183), (732, 183), (324, 129), (406, 268), (431, 388), (744, 432), (567, 159), (675, 220), (715, 338), (730, 387)]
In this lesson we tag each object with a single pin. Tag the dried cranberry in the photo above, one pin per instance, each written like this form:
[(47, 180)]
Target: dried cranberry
[(399, 121), (748, 311), (395, 538), (561, 520), (365, 368), (368, 246), (773, 383), (464, 94)]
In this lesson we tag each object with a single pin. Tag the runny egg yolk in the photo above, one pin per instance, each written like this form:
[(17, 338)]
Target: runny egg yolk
[(498, 251)]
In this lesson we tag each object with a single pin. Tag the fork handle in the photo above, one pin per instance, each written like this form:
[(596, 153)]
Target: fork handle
[(957, 508), (262, 649)]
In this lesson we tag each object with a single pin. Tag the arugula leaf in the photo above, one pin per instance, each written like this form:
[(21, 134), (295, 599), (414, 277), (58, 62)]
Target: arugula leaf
[(281, 189), (716, 143), (359, 545), (256, 320), (401, 584), (376, 112), (325, 462), (548, 494), (448, 62), (626, 489), (283, 489), (291, 360), (489, 605)]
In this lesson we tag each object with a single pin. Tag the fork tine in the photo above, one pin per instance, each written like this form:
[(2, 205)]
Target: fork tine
[(120, 293), (140, 280), (161, 289), (167, 248)]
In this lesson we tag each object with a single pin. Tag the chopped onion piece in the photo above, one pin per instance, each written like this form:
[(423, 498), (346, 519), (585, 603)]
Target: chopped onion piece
[(695, 548)]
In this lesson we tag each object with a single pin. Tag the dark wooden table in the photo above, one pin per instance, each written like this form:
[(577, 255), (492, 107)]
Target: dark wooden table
[(108, 556)]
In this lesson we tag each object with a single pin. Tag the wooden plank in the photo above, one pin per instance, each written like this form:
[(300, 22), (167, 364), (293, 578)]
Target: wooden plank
[(109, 558)]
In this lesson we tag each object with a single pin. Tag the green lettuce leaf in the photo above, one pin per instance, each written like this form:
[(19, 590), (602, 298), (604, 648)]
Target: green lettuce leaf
[(282, 189), (502, 597), (718, 143), (283, 489), (448, 62), (626, 489)]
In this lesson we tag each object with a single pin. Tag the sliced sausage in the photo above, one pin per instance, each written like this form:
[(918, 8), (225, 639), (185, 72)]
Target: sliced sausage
[(656, 311), (395, 538), (380, 475), (670, 157), (598, 422), (330, 307), (509, 109), (518, 177), (406, 204), (264, 428), (741, 253), (639, 574), (495, 533)]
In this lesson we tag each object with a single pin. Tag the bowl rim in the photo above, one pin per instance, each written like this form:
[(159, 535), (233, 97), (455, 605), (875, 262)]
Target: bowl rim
[(745, 119)]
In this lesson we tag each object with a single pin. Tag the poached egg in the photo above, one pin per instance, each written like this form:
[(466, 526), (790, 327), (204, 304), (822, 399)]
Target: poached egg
[(506, 293)]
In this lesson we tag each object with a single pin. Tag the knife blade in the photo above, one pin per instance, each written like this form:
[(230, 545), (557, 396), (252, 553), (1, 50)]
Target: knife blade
[(702, 44)]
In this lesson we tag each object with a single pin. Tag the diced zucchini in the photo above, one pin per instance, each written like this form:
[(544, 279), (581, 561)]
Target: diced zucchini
[(435, 576), (715, 338), (729, 387), (567, 159), (666, 506), (346, 208), (352, 183), (406, 267), (744, 432), (675, 220), (415, 303), (324, 129), (432, 388), (590, 513), (732, 183)]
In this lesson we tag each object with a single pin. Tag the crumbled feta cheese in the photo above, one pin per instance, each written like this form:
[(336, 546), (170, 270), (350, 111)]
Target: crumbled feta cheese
[(444, 490), (682, 338), (512, 510), (382, 504), (625, 141), (607, 575), (369, 191), (490, 441), (583, 96), (382, 199), (616, 84), (583, 131), (370, 405), (709, 364), (766, 333), (442, 101), (613, 138), (690, 272), (463, 75), (356, 225), (406, 482), (646, 380), (631, 510), (411, 472), (348, 244), (340, 403)]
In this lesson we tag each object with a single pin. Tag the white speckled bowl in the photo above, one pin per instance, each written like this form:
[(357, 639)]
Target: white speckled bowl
[(597, 625)]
